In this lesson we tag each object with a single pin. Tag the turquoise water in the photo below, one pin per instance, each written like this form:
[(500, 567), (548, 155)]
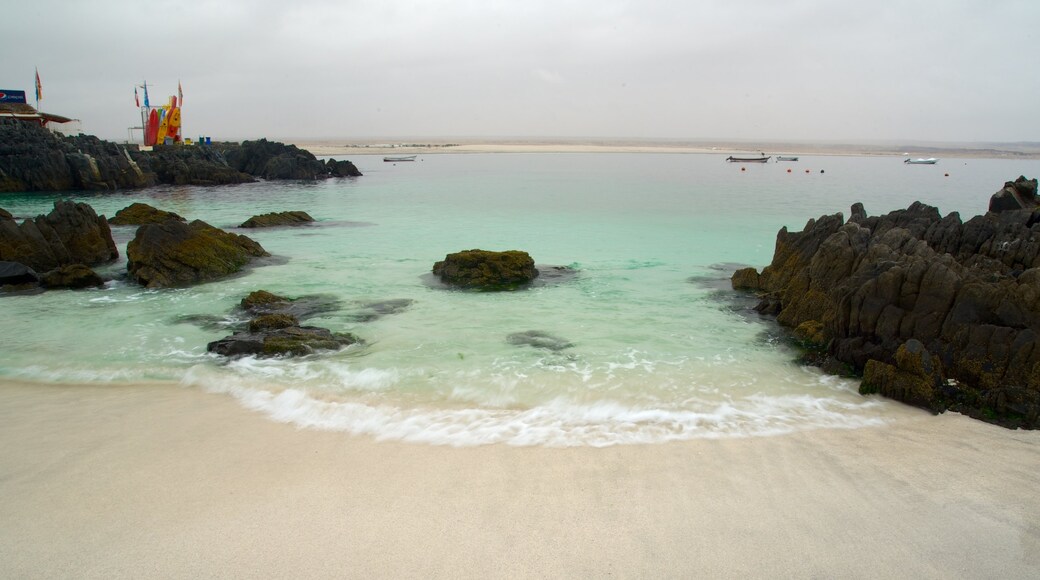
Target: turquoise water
[(659, 350)]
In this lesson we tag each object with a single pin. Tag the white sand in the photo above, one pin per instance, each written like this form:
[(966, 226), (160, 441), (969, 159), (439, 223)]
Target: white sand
[(433, 147), (159, 481)]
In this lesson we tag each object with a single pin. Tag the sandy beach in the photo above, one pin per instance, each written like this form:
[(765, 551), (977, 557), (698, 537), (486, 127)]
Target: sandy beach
[(162, 481), (422, 146)]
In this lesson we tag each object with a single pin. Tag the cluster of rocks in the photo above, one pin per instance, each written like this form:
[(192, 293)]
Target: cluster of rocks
[(35, 159), (930, 310), (57, 249), (275, 330)]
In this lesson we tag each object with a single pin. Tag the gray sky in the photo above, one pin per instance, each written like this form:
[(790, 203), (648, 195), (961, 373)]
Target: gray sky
[(935, 70)]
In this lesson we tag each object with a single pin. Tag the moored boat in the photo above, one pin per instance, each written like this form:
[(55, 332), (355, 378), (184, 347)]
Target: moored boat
[(400, 158), (919, 161), (786, 158), (732, 159)]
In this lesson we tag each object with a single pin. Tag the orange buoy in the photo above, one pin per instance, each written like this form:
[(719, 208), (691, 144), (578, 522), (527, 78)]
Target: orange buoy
[(789, 171)]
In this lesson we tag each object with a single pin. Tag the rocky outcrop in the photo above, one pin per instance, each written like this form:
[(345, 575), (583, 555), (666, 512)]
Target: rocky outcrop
[(1017, 194), (487, 270), (273, 160), (35, 159), (276, 219), (72, 233), (275, 330), (174, 253), (183, 165), (932, 311), (138, 214)]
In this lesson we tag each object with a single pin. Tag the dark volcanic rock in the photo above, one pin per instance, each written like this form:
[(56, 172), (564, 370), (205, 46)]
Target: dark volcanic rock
[(376, 309), (935, 312), (70, 234), (342, 168), (263, 302), (487, 270), (274, 219), (16, 274), (72, 276), (273, 160), (1017, 194), (138, 214), (173, 253), (187, 165), (35, 159)]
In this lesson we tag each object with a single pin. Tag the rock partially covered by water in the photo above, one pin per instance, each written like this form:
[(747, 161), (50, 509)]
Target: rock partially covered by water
[(138, 214), (72, 276), (174, 253), (16, 274), (275, 329), (936, 312), (285, 341), (341, 168), (72, 233), (487, 270), (275, 219)]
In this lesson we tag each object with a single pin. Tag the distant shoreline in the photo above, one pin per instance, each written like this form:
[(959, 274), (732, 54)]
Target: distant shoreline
[(328, 147)]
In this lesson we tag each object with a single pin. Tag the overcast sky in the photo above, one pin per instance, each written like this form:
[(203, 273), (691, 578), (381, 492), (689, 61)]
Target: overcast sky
[(935, 70)]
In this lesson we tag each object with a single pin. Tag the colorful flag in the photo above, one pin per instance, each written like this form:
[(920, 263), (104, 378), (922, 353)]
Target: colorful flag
[(39, 87), (137, 100), (146, 105), (180, 94)]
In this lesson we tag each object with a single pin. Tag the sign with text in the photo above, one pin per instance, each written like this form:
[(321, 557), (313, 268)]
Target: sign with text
[(7, 96)]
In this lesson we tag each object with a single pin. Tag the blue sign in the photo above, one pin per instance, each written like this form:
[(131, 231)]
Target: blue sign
[(12, 96)]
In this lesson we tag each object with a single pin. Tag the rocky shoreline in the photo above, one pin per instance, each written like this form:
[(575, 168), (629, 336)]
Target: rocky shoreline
[(929, 310), (34, 159)]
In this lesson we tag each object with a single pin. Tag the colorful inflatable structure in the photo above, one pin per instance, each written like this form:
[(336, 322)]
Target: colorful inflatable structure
[(162, 125)]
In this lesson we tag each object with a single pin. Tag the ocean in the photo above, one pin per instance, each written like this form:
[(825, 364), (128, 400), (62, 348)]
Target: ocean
[(645, 343)]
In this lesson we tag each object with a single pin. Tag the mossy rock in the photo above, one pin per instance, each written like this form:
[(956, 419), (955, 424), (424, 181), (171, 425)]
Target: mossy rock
[(272, 322), (263, 301), (275, 219), (487, 270), (745, 279), (138, 214), (173, 253)]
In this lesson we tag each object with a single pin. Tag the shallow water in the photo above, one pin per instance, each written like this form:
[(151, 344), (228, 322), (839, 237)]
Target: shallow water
[(648, 343)]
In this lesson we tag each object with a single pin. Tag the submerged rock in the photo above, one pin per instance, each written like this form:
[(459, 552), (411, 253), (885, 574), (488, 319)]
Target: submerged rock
[(932, 311), (487, 270), (376, 309), (274, 219), (173, 253), (539, 339)]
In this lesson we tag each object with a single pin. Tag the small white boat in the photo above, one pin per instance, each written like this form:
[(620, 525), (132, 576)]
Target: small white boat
[(919, 161), (732, 159), (786, 158), (399, 158)]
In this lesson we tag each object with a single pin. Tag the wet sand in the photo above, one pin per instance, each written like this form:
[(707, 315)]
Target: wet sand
[(162, 481)]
